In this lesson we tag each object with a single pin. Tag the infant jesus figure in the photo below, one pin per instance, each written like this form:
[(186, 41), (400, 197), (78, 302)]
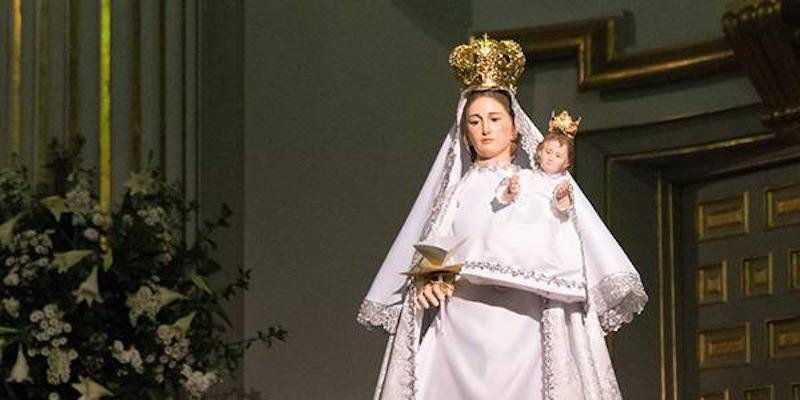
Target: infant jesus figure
[(554, 155)]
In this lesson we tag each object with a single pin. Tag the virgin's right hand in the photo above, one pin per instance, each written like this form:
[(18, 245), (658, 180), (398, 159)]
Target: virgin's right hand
[(433, 292)]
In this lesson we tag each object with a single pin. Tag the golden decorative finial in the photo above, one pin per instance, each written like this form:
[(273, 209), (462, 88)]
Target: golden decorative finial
[(486, 63), (563, 124)]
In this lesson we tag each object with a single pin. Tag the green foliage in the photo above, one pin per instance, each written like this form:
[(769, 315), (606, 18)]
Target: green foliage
[(118, 298)]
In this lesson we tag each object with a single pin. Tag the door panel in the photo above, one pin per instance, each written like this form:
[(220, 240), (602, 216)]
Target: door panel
[(739, 286)]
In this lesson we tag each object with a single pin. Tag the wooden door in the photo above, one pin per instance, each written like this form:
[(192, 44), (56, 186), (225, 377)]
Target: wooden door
[(739, 286)]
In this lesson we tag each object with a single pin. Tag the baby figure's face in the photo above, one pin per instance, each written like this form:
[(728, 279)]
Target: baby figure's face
[(553, 157)]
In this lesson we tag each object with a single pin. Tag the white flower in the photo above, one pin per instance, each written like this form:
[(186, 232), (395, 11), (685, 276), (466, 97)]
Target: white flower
[(130, 356), (90, 390), (20, 372), (12, 279), (146, 302), (88, 290), (11, 305), (58, 365), (197, 383), (53, 396), (139, 183), (91, 234)]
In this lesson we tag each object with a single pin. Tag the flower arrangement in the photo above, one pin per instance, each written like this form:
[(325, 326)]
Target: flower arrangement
[(97, 303)]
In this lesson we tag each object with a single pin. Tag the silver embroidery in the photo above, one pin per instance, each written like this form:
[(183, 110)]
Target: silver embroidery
[(617, 299), (495, 167), (523, 273), (411, 343), (548, 383), (372, 314)]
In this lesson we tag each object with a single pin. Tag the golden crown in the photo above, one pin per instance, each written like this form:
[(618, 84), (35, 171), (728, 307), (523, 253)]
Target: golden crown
[(563, 124), (485, 63)]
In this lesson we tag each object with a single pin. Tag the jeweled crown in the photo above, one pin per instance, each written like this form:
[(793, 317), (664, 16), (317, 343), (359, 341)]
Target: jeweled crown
[(485, 63), (562, 123)]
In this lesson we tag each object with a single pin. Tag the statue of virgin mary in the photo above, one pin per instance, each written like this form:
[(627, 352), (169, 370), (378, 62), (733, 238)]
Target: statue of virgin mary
[(535, 294)]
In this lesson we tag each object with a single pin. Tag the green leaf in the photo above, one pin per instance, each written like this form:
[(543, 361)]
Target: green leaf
[(66, 260), (7, 229), (199, 282), (4, 330), (56, 206), (108, 259)]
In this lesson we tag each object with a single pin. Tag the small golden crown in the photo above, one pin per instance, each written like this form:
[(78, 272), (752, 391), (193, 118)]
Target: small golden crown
[(563, 124), (485, 63)]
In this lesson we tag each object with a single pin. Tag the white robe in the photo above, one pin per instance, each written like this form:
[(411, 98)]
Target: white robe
[(487, 342)]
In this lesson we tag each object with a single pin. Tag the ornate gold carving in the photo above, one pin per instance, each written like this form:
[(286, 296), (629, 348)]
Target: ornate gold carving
[(782, 206), (488, 63), (723, 395), (712, 283), (601, 64), (757, 276), (793, 265), (756, 33), (15, 86), (783, 337), (759, 393), (722, 218), (723, 347)]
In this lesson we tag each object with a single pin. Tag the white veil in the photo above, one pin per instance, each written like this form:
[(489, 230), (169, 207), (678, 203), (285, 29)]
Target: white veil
[(615, 291)]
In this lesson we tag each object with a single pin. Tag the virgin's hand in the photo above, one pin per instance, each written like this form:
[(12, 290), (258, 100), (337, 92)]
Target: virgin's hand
[(512, 190), (433, 292)]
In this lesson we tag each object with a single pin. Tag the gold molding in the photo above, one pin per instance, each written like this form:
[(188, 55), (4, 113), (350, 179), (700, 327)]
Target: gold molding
[(15, 86), (723, 395), (759, 393), (698, 148), (724, 347), (796, 391), (706, 297), (772, 216), (793, 269), (662, 353), (750, 291), (104, 139), (787, 345), (737, 219), (601, 63)]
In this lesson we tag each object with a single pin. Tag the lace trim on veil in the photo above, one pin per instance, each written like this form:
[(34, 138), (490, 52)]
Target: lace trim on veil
[(617, 299)]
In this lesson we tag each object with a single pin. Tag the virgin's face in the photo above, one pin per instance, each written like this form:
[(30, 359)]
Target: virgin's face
[(490, 130)]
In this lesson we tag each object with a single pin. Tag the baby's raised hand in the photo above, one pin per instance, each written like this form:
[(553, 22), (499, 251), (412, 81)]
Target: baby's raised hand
[(512, 190), (563, 195)]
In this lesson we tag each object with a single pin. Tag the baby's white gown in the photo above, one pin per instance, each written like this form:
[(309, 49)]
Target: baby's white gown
[(486, 342)]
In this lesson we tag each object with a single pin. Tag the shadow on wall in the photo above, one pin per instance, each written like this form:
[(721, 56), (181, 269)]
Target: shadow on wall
[(447, 22)]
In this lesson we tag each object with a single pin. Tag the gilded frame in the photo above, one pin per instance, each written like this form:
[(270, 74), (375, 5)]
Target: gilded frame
[(745, 281)]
